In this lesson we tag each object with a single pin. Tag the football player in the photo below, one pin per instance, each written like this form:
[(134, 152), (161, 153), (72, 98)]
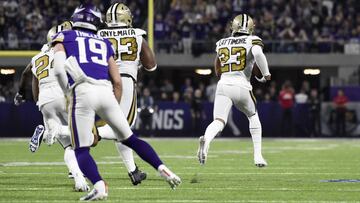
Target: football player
[(236, 56), (62, 131), (95, 87), (52, 104), (131, 52)]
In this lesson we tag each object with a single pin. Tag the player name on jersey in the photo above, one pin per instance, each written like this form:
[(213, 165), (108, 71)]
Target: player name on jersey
[(232, 41), (86, 34), (117, 33)]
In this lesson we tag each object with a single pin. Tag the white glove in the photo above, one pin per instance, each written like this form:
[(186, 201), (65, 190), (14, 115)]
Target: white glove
[(18, 99), (262, 80)]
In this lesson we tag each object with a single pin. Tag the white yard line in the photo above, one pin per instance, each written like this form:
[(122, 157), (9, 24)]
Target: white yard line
[(193, 173), (185, 188), (231, 139), (196, 201)]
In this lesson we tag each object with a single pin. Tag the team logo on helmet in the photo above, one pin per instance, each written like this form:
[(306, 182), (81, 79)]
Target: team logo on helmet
[(87, 16), (119, 15)]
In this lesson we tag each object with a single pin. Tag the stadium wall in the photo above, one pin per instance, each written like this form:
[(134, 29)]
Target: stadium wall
[(174, 120)]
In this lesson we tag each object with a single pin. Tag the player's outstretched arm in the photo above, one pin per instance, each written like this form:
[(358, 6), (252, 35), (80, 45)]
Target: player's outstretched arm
[(261, 61), (59, 61), (217, 66), (35, 88), (147, 57), (25, 76), (115, 78)]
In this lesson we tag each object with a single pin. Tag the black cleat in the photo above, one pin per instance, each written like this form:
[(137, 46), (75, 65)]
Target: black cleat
[(137, 176), (260, 165)]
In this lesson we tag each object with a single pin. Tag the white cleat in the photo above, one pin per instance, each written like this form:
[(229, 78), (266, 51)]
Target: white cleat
[(202, 152), (169, 176), (100, 192), (51, 132), (260, 161), (80, 183)]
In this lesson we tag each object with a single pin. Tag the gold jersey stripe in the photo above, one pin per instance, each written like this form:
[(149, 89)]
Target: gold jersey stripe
[(258, 42)]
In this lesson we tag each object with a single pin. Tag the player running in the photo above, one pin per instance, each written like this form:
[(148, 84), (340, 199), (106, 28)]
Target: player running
[(235, 59), (96, 88), (52, 104), (131, 51)]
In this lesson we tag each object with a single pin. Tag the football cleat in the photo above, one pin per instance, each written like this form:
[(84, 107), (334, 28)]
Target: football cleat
[(202, 152), (100, 192), (260, 161), (169, 176), (36, 139), (71, 176), (137, 176), (80, 183)]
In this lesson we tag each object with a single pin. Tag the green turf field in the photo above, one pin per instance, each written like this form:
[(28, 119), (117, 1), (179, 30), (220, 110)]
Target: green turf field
[(296, 168)]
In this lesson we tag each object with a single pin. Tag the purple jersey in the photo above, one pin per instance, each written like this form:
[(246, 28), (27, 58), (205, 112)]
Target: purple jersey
[(91, 51)]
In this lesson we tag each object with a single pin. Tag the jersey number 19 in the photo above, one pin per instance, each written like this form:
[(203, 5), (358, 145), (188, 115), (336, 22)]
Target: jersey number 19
[(97, 51)]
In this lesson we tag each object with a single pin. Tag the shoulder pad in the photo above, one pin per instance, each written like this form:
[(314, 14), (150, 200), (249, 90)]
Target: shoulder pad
[(140, 32), (59, 37), (255, 40), (62, 36), (45, 47)]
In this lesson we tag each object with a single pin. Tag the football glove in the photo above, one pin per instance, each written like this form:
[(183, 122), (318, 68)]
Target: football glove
[(18, 99), (262, 80)]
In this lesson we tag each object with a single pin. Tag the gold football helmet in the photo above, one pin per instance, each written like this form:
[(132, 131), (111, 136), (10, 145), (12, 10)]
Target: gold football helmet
[(242, 23), (66, 25), (119, 15)]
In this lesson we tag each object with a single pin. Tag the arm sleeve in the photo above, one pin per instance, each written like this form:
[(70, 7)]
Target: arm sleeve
[(110, 49), (59, 61), (260, 60)]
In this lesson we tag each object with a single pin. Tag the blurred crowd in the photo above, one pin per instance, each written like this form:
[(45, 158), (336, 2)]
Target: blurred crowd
[(285, 25), (7, 91), (25, 23), (193, 26)]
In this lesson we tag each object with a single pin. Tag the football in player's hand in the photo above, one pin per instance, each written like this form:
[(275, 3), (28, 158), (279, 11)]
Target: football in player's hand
[(256, 72)]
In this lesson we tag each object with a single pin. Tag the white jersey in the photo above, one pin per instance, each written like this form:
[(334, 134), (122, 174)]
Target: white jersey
[(236, 59), (41, 67), (127, 44)]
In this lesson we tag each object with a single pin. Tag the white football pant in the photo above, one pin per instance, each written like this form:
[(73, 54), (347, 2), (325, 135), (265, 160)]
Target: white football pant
[(89, 99)]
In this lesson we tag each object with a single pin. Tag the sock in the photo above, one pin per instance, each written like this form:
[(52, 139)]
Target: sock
[(107, 133), (127, 156), (144, 150), (255, 131), (71, 162), (87, 164), (212, 130), (100, 186)]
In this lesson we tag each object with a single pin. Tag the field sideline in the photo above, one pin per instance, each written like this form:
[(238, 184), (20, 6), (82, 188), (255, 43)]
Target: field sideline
[(296, 172)]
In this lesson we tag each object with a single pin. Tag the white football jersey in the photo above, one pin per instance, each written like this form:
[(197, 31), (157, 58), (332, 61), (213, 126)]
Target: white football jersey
[(41, 67), (127, 46), (236, 59)]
